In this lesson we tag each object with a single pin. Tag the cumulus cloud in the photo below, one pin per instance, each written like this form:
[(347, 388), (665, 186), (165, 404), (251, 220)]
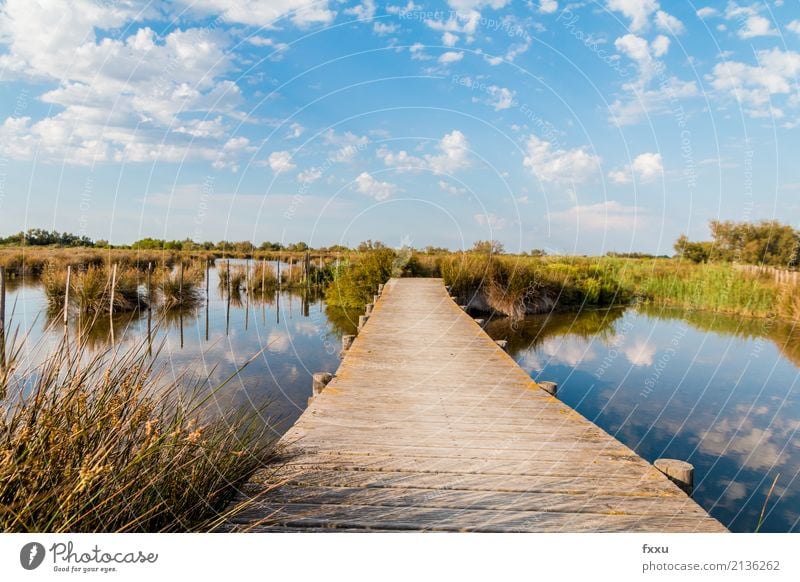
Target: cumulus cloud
[(452, 155), (259, 13), (751, 23), (280, 162), (548, 6), (609, 215), (491, 220), (639, 12), (646, 167), (346, 145), (551, 164), (500, 97), (755, 87), (451, 57), (373, 188), (151, 111), (309, 175)]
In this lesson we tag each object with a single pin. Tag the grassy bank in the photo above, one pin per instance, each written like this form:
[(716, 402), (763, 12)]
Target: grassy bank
[(105, 443), (521, 285)]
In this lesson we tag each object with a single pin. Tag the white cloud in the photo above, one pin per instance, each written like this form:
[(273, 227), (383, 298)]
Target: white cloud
[(347, 144), (756, 87), (548, 6), (498, 98), (646, 167), (417, 51), (132, 98), (451, 57), (638, 11), (454, 149), (382, 28), (476, 4), (281, 162), (669, 23), (645, 102), (259, 13), (449, 39), (491, 220), (751, 23), (559, 165), (373, 188), (660, 45), (451, 188), (309, 176), (409, 7), (295, 131), (756, 26), (794, 26), (707, 12), (401, 160), (604, 216), (453, 156), (363, 11)]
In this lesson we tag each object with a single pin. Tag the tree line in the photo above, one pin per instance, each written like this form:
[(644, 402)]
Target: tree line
[(767, 242)]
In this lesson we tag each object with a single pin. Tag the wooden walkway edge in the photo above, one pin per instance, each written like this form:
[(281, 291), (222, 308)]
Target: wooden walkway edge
[(428, 425)]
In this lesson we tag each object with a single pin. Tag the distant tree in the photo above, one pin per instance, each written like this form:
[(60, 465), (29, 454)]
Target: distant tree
[(697, 252), (538, 253), (148, 244), (297, 247), (338, 249), (370, 245), (489, 247), (270, 246)]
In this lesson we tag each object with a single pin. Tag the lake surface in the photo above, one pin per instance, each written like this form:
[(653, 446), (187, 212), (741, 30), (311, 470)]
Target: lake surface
[(299, 335), (719, 392)]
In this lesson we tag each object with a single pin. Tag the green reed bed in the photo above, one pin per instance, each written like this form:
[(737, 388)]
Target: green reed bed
[(181, 287), (106, 443)]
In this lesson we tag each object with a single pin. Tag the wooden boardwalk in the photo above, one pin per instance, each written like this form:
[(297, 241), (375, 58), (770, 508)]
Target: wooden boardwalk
[(429, 425)]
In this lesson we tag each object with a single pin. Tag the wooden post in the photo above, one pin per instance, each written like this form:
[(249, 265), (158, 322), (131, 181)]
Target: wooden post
[(502, 343), (479, 321), (228, 307), (347, 341), (263, 277), (375, 299), (362, 321), (2, 317), (66, 295), (380, 288), (679, 472), (113, 289), (550, 387), (368, 309), (279, 271), (463, 307), (319, 381), (208, 278), (180, 286), (247, 293), (307, 268)]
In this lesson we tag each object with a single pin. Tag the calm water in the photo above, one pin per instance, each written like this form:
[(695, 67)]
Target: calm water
[(719, 392), (298, 337)]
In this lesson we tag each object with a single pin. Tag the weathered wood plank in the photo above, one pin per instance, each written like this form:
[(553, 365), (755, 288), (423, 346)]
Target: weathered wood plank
[(430, 425)]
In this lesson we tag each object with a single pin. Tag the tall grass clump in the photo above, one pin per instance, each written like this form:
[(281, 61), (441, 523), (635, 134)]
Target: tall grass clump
[(181, 290), (91, 290), (263, 280), (104, 443), (354, 283)]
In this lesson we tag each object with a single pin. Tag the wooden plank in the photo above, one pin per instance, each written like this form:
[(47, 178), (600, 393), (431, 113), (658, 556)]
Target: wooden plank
[(428, 425)]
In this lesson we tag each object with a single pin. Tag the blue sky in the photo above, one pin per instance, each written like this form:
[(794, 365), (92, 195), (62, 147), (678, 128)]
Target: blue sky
[(576, 127)]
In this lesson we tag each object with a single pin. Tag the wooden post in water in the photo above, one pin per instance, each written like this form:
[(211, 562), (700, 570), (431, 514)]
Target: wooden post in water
[(679, 472), (307, 268), (319, 381), (180, 286), (246, 293), (149, 306), (362, 321), (113, 289), (228, 307), (550, 387), (2, 317), (347, 341), (279, 272), (66, 295), (263, 278)]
